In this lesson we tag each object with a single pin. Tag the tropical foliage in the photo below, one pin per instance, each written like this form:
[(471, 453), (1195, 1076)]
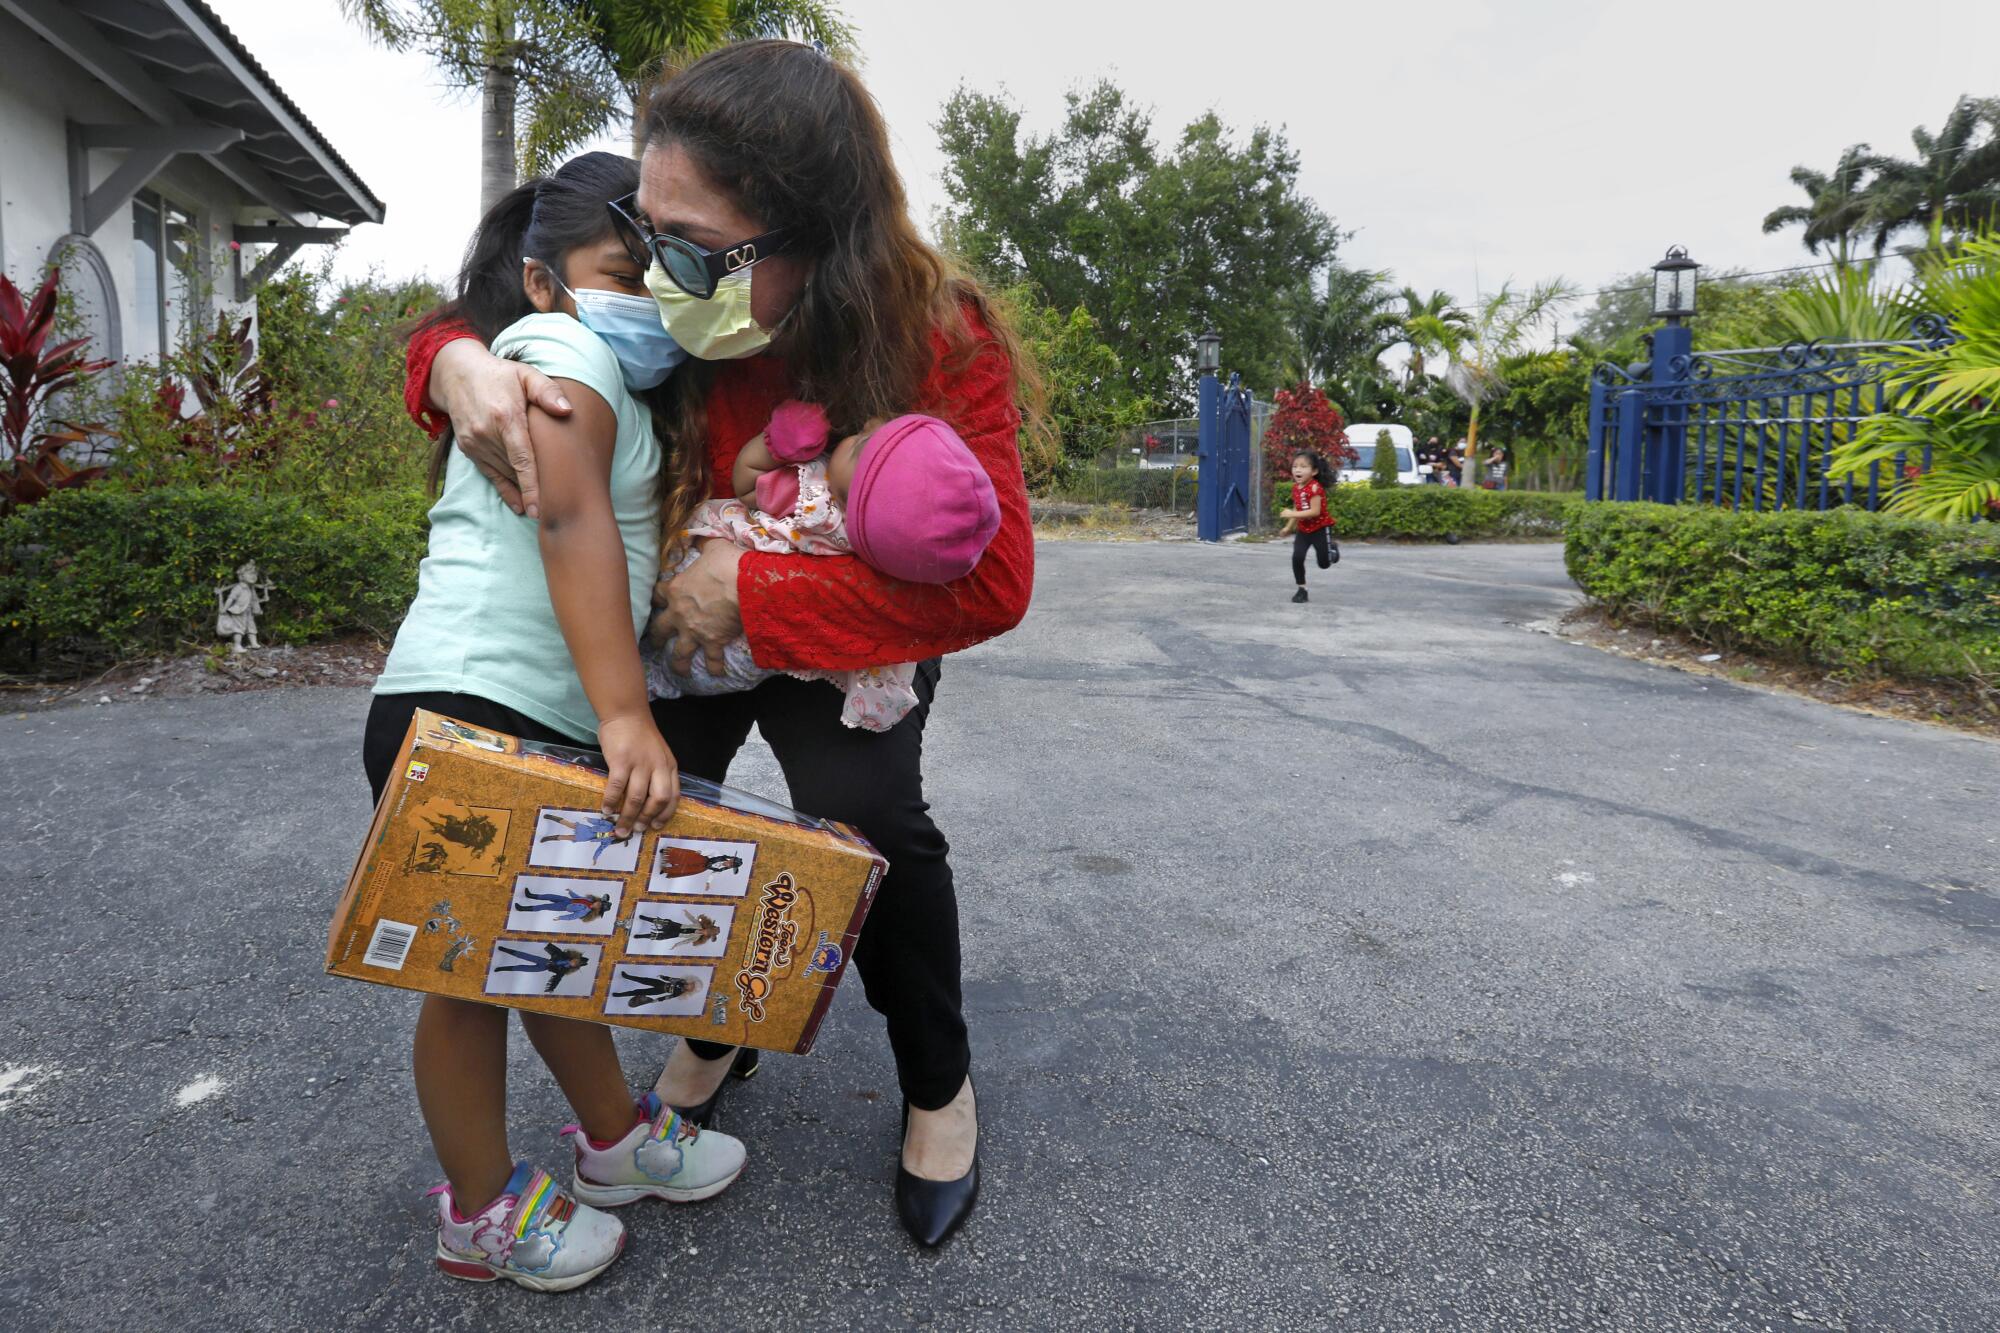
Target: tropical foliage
[(37, 374), (1949, 189), (1946, 395), (552, 74), (1502, 327)]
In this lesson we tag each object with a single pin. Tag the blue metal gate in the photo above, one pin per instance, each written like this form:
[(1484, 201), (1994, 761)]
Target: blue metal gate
[(1756, 436)]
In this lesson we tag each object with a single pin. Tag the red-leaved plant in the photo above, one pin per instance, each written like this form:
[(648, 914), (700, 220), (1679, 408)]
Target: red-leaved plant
[(31, 373), (1305, 421)]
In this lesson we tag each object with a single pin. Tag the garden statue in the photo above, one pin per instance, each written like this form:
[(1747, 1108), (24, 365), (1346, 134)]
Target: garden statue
[(237, 605)]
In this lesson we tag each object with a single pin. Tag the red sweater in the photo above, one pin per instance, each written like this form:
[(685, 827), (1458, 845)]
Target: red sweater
[(832, 612)]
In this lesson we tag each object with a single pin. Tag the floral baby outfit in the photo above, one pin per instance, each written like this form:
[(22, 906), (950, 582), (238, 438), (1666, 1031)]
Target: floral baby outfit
[(877, 697)]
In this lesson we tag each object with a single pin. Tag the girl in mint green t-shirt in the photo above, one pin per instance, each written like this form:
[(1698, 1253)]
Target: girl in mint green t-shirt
[(533, 628)]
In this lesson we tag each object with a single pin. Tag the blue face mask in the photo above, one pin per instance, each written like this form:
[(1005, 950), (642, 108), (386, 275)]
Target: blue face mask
[(631, 326)]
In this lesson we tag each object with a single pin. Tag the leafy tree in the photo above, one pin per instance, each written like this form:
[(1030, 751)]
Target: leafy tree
[(1544, 415), (1500, 328), (1157, 245), (552, 74), (1383, 474), (1089, 403), (1612, 324), (1952, 186), (1839, 206), (1305, 421)]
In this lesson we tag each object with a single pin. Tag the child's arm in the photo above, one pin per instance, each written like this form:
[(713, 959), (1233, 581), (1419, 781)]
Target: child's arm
[(752, 462), (584, 557)]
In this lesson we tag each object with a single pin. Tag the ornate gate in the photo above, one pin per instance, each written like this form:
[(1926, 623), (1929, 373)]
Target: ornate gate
[(1749, 428)]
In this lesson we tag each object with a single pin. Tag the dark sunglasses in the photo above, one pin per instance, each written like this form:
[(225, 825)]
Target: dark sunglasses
[(694, 270)]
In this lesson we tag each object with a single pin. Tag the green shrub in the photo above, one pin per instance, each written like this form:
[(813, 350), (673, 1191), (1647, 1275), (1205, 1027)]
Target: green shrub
[(1382, 472), (97, 575), (1431, 513), (1847, 589)]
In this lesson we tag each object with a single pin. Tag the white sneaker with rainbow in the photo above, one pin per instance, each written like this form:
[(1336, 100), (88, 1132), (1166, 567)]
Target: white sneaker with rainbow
[(534, 1234), (661, 1157)]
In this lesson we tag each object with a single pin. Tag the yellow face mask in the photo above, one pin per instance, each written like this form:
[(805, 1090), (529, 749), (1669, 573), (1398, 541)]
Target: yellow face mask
[(718, 329)]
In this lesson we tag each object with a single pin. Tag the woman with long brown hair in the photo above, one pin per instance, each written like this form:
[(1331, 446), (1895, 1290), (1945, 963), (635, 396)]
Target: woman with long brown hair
[(784, 261)]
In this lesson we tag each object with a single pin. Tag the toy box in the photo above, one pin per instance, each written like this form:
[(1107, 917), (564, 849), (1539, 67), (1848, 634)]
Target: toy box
[(490, 874)]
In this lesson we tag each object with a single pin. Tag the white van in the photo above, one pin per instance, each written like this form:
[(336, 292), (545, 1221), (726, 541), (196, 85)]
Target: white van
[(1361, 439)]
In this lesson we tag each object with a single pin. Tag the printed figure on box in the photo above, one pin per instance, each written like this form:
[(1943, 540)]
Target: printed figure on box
[(654, 989), (702, 867), (448, 731), (906, 496), (566, 906), (696, 928), (238, 604), (555, 961), (583, 840)]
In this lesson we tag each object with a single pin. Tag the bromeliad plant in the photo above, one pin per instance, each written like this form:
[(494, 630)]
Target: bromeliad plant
[(32, 373), (1947, 396)]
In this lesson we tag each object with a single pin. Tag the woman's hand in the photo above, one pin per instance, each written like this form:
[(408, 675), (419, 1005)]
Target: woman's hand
[(487, 399), (645, 781), (699, 609)]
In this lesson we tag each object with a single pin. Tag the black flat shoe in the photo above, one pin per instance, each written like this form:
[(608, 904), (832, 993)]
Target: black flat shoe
[(931, 1210), (742, 1068)]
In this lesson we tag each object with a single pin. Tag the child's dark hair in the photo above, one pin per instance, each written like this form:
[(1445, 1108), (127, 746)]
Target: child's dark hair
[(542, 219), (1322, 469)]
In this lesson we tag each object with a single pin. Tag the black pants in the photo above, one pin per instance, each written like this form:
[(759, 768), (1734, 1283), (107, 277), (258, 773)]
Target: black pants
[(389, 721), (908, 954), (1310, 541)]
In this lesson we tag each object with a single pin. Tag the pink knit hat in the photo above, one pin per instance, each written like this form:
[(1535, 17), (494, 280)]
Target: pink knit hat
[(920, 507)]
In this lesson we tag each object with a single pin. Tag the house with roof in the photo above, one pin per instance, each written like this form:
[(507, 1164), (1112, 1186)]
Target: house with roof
[(146, 151)]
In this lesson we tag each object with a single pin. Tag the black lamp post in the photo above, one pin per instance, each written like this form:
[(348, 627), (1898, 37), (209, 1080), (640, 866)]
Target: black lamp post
[(1673, 286), (1208, 403), (1208, 353)]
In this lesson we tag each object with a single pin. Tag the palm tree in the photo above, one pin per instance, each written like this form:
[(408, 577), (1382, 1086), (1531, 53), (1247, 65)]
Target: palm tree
[(1341, 332), (1840, 206), (1954, 184), (553, 74), (1501, 328), (1435, 310)]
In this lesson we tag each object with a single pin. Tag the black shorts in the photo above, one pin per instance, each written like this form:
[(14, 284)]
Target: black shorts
[(389, 722)]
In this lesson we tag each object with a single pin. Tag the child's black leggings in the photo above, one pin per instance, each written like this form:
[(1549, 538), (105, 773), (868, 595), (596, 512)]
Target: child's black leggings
[(1310, 541)]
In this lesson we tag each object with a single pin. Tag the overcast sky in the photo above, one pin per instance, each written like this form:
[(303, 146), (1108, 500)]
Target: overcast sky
[(1461, 141)]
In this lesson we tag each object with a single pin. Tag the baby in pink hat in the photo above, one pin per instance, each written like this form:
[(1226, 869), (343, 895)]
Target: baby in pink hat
[(906, 496)]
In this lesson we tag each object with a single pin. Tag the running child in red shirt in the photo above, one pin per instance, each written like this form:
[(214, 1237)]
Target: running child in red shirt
[(1307, 520)]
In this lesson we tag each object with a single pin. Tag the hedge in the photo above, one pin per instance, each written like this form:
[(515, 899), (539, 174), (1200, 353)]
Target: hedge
[(1431, 513), (97, 575), (1855, 591)]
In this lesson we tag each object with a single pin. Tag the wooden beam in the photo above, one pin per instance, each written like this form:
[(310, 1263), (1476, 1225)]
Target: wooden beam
[(175, 138), (266, 266), (265, 234)]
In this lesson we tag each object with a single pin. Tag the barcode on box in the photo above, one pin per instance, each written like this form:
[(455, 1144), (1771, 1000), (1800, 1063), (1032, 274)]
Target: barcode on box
[(390, 946)]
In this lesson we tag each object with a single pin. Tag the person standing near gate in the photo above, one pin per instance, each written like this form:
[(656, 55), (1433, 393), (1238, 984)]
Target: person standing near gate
[(1307, 520)]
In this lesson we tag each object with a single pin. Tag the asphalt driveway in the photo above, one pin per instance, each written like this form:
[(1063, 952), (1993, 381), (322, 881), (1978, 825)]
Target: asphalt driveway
[(1372, 963)]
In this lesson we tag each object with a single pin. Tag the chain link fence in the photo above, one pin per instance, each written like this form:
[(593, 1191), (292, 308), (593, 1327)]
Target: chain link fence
[(1156, 466)]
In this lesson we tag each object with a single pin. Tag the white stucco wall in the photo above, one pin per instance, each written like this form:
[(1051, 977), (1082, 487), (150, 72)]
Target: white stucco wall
[(34, 180)]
